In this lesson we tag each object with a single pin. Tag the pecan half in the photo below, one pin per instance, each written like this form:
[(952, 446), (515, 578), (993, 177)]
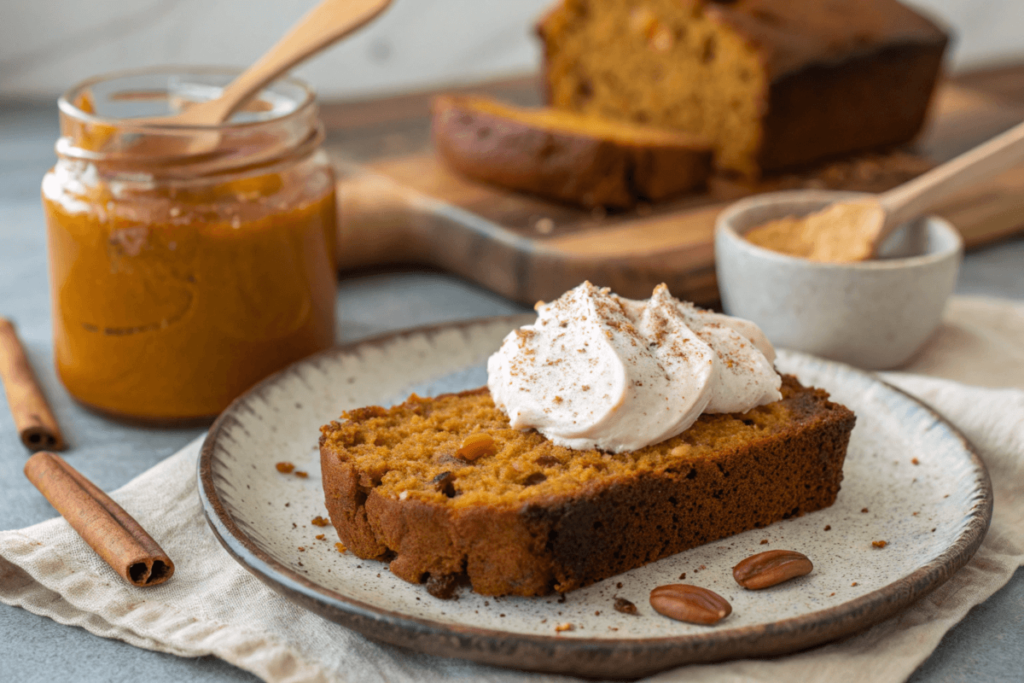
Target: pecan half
[(692, 604), (771, 568)]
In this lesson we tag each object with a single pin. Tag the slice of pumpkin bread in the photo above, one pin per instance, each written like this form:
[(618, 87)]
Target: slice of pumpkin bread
[(447, 491), (560, 155)]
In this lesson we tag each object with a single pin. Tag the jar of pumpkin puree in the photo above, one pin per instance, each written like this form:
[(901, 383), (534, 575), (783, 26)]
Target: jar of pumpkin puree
[(186, 263)]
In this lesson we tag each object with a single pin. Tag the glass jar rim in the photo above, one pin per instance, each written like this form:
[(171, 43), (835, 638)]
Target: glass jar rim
[(134, 144), (65, 102)]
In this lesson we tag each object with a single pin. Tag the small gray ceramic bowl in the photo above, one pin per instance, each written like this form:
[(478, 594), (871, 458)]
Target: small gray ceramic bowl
[(871, 314)]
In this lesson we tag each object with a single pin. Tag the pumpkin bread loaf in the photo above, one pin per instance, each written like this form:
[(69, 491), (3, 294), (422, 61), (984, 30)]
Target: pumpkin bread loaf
[(563, 156), (771, 83), (447, 492)]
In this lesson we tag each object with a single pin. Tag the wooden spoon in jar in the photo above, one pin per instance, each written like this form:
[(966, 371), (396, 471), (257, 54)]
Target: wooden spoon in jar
[(853, 230), (322, 26)]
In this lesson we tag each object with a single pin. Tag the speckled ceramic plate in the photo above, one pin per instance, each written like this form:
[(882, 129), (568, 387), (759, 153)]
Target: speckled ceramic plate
[(910, 479)]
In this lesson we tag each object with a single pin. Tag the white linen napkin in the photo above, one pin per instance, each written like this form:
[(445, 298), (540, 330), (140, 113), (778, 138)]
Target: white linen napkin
[(213, 606)]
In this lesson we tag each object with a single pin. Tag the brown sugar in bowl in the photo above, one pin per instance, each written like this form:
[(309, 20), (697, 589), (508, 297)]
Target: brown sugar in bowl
[(871, 314)]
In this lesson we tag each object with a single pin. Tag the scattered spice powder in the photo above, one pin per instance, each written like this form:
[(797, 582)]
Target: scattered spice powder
[(879, 544), (319, 537), (285, 467), (319, 521), (339, 547), (764, 541), (863, 509), (302, 549), (828, 527), (301, 475), (915, 461), (564, 627), (853, 584)]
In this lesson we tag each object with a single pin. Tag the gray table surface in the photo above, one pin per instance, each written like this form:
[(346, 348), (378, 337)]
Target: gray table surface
[(988, 645)]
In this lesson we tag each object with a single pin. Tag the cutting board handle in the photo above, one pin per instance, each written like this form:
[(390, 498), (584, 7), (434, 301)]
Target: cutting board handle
[(378, 222)]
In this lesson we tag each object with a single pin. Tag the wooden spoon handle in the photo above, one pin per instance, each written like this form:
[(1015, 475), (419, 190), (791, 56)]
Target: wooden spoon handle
[(913, 199), (320, 27)]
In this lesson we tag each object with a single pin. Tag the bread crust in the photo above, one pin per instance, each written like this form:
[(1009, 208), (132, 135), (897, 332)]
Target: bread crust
[(577, 167), (812, 114), (608, 526)]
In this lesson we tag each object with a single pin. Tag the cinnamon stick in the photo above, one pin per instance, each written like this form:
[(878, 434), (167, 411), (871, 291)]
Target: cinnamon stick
[(33, 418), (102, 523)]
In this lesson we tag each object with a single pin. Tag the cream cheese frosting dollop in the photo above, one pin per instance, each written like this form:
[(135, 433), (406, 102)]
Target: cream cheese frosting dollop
[(597, 370)]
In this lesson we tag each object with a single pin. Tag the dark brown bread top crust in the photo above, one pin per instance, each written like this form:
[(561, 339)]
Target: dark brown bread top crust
[(563, 542), (793, 34), (578, 167)]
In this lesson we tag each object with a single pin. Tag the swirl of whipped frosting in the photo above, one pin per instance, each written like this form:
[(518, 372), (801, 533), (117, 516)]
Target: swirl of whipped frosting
[(600, 371)]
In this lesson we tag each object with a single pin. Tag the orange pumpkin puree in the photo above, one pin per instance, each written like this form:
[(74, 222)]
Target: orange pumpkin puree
[(168, 302)]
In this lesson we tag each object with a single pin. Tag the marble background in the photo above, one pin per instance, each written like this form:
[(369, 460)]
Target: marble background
[(48, 45)]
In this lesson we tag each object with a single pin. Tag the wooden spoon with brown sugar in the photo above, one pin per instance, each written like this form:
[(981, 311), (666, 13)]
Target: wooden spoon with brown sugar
[(853, 230)]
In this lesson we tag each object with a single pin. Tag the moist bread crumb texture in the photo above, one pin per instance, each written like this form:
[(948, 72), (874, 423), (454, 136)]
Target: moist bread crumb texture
[(771, 83), (528, 517)]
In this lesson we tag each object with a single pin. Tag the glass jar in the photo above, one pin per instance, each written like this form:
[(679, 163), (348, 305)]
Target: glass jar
[(186, 263)]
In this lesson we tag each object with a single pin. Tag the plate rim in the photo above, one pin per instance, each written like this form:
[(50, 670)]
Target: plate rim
[(605, 657)]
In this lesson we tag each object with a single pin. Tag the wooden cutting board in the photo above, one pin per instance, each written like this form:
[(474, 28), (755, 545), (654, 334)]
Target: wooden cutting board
[(400, 205)]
